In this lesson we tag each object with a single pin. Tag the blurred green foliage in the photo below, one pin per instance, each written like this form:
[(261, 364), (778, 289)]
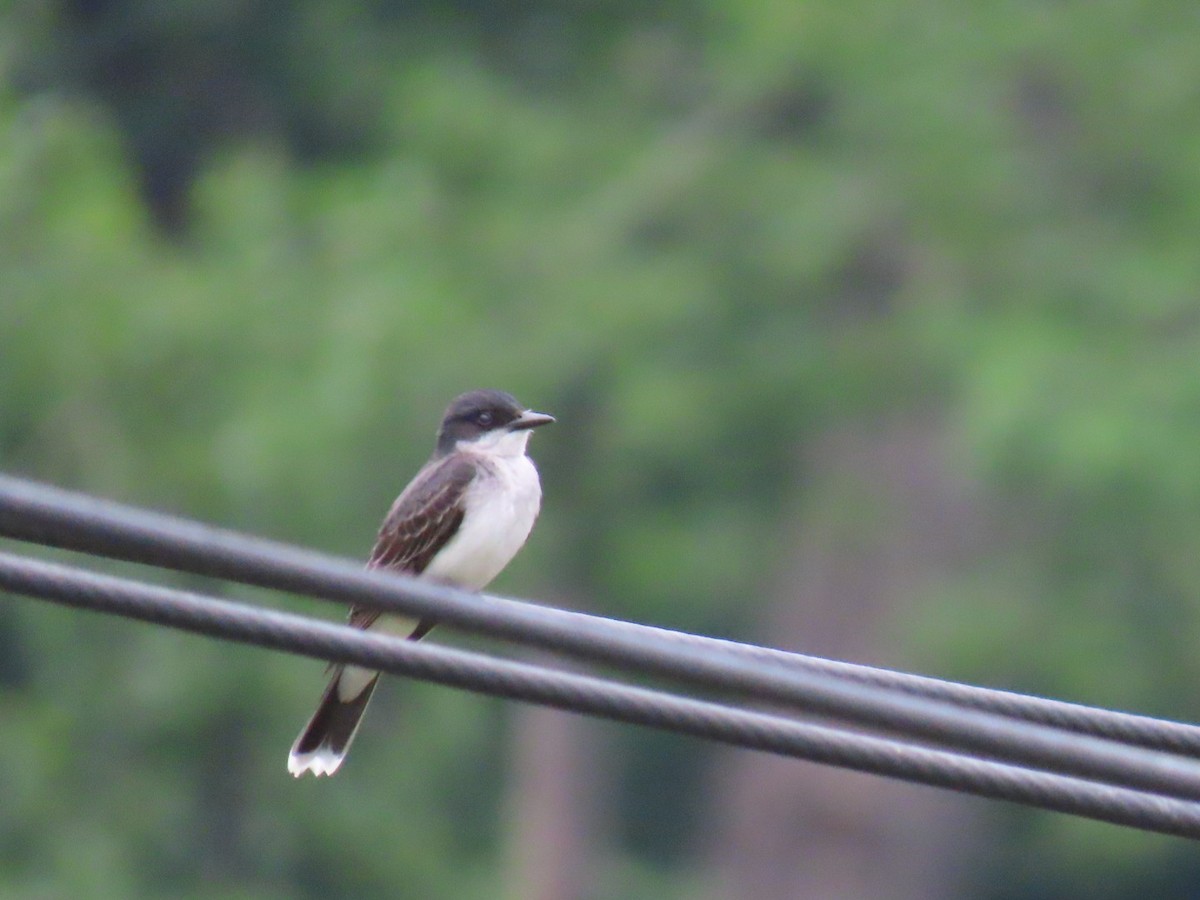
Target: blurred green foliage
[(248, 251)]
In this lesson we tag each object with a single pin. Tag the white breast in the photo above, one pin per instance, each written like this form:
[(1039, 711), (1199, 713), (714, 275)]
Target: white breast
[(502, 504)]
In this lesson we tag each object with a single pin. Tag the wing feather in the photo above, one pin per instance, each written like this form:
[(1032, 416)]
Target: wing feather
[(423, 518)]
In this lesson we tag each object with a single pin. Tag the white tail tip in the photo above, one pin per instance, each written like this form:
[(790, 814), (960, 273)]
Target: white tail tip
[(321, 761)]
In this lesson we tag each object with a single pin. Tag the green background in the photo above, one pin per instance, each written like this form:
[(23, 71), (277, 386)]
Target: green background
[(873, 331)]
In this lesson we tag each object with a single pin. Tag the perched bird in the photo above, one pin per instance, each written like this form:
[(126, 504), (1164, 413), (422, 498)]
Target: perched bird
[(459, 522)]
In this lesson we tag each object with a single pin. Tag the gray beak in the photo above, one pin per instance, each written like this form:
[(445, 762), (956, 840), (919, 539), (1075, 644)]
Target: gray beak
[(530, 419)]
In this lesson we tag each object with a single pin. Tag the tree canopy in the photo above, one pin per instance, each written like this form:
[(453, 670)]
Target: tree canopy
[(830, 301)]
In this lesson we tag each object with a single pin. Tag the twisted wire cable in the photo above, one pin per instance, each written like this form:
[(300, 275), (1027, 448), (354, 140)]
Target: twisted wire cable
[(44, 514), (47, 515), (586, 694), (1130, 728)]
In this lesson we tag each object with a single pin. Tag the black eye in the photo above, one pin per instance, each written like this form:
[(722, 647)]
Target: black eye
[(484, 418)]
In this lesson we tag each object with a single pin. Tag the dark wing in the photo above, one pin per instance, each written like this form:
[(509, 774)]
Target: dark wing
[(421, 521)]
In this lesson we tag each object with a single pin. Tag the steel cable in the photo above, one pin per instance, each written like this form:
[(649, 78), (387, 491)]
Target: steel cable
[(47, 515), (585, 694)]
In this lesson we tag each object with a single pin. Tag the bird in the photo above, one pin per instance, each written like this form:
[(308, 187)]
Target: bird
[(459, 522)]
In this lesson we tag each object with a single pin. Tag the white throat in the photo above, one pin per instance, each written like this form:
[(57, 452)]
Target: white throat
[(501, 442)]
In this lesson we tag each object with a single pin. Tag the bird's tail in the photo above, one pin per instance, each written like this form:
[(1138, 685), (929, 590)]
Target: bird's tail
[(323, 742)]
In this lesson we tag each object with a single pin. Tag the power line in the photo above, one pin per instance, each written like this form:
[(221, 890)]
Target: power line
[(47, 515), (44, 514), (585, 694), (1129, 728)]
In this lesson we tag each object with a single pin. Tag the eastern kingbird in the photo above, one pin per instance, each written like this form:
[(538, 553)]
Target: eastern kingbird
[(459, 521)]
